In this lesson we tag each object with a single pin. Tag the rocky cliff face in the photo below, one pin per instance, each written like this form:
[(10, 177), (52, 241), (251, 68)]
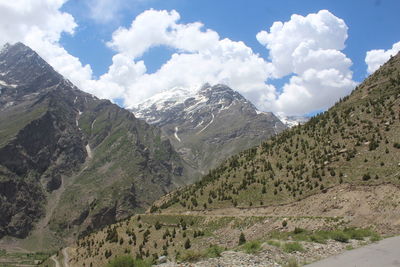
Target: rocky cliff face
[(89, 160), (209, 125)]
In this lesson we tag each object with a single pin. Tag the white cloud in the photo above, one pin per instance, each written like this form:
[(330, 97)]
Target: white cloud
[(309, 48), (109, 11), (201, 56), (19, 18), (104, 11), (376, 58), (40, 24)]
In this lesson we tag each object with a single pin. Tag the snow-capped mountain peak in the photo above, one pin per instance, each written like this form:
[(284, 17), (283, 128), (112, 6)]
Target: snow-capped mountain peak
[(211, 122)]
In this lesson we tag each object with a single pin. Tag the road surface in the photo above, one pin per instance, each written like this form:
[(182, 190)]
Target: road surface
[(384, 253)]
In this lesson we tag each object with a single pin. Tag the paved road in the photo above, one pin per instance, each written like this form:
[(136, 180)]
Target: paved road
[(384, 253)]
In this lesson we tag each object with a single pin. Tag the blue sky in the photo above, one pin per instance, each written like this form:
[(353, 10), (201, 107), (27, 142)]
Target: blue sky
[(291, 57), (372, 24)]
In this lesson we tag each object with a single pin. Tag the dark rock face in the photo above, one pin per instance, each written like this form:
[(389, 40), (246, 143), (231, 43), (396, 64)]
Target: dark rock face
[(210, 125), (51, 133), (21, 203)]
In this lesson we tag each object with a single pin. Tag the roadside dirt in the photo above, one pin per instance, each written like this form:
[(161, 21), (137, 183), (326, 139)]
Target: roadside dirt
[(362, 206)]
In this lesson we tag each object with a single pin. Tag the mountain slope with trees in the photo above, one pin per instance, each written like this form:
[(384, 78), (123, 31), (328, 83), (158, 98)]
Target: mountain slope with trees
[(70, 162), (355, 142)]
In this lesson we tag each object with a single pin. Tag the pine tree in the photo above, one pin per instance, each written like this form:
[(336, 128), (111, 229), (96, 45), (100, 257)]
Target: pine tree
[(187, 244), (242, 239)]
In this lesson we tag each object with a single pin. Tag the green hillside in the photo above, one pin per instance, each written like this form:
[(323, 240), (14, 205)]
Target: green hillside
[(312, 191), (357, 141)]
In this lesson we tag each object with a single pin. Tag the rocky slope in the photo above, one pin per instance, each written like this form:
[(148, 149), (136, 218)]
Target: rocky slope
[(70, 162), (208, 125)]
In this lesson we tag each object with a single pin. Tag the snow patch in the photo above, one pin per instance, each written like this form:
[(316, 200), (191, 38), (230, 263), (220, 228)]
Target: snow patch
[(176, 134), (3, 83), (291, 121), (88, 151), (212, 119), (9, 104), (91, 127)]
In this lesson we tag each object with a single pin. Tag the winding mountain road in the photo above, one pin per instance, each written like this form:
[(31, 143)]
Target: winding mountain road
[(384, 253)]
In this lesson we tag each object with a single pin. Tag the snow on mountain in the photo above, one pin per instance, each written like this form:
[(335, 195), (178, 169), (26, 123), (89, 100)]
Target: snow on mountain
[(209, 124)]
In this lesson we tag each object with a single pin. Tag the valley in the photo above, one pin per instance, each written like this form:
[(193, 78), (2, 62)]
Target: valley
[(199, 179), (313, 191)]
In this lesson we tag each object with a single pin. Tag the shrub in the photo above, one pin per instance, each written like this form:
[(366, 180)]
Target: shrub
[(375, 237), (358, 234), (190, 256), (292, 263), (127, 261), (214, 251), (158, 225), (187, 244), (252, 247), (298, 230), (284, 223), (242, 239), (366, 177), (318, 238), (292, 247), (340, 236)]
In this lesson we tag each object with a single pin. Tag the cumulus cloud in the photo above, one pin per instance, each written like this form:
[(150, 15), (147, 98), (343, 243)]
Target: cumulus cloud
[(376, 58), (201, 56), (40, 25), (310, 49), (19, 18), (307, 48)]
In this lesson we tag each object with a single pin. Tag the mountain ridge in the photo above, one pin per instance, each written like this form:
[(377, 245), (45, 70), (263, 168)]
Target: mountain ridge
[(209, 124), (57, 141)]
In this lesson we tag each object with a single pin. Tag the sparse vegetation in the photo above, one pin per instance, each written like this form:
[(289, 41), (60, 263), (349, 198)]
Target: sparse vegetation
[(252, 247), (127, 261), (336, 150), (242, 239), (292, 247)]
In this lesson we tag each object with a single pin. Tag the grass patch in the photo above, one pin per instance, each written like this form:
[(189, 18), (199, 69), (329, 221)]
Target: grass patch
[(292, 247), (128, 261), (190, 256), (340, 236), (252, 247), (349, 247), (214, 251), (358, 234), (291, 263), (274, 243), (375, 237)]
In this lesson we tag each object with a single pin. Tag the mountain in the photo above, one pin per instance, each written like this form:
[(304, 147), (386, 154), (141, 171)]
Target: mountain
[(70, 162), (312, 191), (290, 121), (355, 143), (208, 125)]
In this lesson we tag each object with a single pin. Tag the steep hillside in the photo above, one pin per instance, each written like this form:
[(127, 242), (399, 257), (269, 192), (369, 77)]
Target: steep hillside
[(208, 125), (355, 142), (70, 162), (312, 191)]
